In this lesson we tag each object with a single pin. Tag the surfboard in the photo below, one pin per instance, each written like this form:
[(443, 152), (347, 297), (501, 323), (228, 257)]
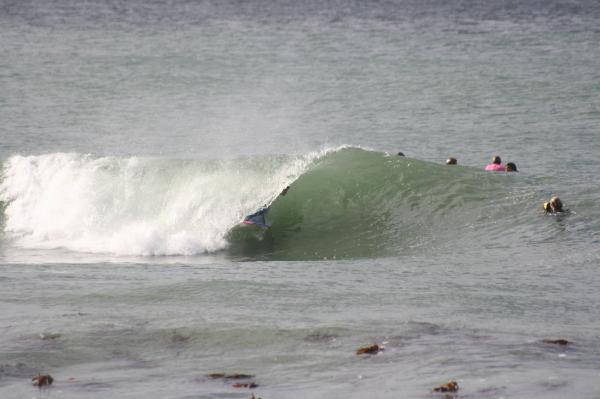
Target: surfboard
[(259, 224)]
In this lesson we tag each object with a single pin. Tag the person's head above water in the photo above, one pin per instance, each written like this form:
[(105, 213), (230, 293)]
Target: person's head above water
[(554, 205), (451, 161), (496, 165), (400, 154), (511, 167)]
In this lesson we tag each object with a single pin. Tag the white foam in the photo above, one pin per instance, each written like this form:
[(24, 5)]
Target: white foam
[(137, 206)]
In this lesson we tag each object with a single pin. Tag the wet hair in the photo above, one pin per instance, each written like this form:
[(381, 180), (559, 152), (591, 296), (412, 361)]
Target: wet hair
[(556, 204), (451, 161), (496, 160), (511, 167), (400, 154)]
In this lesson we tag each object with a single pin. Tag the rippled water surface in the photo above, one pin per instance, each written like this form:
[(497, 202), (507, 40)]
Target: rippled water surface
[(135, 136)]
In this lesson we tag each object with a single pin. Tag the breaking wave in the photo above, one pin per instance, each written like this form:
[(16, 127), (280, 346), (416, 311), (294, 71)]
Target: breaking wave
[(343, 203)]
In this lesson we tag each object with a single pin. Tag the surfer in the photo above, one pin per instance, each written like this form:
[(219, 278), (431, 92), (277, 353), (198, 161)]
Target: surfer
[(511, 167), (258, 217), (451, 161), (496, 165), (554, 205)]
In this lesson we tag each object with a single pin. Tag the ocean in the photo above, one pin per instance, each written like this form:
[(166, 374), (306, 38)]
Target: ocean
[(135, 136)]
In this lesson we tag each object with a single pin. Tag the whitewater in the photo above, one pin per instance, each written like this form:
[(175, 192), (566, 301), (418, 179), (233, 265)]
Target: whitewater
[(135, 136), (137, 205)]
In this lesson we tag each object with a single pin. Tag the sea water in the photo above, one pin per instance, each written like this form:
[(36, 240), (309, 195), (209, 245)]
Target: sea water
[(136, 135)]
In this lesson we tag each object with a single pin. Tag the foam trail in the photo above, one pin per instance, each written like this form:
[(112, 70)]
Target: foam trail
[(136, 206)]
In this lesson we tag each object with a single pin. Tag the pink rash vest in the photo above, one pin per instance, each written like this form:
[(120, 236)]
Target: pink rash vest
[(495, 167)]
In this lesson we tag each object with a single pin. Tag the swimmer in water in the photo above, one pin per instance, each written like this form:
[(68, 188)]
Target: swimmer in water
[(511, 167), (496, 165), (451, 161), (553, 206)]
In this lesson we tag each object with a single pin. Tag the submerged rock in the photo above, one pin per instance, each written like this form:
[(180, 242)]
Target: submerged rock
[(370, 350), (230, 376), (450, 386), (42, 380), (562, 342), (245, 385), (49, 336)]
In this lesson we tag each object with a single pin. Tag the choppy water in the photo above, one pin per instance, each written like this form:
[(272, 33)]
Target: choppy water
[(136, 135)]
